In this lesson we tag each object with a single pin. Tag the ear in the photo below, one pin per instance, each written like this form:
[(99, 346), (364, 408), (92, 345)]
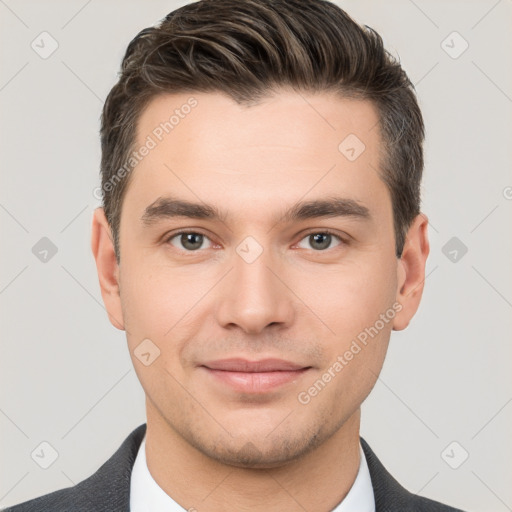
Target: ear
[(411, 271), (108, 270)]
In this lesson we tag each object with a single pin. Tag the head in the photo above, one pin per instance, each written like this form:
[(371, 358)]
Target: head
[(285, 140)]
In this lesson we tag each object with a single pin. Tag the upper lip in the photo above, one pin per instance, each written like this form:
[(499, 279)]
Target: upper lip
[(247, 366)]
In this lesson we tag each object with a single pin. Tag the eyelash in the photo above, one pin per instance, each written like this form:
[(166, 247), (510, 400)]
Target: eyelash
[(325, 231)]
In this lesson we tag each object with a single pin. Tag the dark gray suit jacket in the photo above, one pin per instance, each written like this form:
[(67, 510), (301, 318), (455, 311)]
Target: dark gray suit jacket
[(108, 490)]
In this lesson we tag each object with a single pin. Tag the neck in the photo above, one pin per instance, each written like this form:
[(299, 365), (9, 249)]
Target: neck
[(318, 481)]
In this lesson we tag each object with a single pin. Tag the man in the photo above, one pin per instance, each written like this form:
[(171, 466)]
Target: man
[(260, 238)]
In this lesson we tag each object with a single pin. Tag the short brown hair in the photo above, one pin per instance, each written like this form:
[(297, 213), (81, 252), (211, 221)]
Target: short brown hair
[(249, 48)]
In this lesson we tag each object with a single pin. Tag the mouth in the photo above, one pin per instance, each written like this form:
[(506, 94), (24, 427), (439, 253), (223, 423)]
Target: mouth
[(257, 377)]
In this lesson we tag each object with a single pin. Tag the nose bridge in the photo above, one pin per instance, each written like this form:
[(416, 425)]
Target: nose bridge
[(253, 297)]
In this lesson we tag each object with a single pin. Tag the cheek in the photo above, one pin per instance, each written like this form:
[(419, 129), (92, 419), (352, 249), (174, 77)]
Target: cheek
[(352, 298), (165, 305), (153, 298)]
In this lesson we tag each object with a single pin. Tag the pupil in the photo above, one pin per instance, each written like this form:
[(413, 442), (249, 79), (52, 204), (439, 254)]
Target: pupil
[(324, 240), (191, 240)]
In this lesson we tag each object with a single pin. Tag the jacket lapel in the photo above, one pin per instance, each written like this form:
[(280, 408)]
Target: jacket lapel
[(389, 495), (109, 487)]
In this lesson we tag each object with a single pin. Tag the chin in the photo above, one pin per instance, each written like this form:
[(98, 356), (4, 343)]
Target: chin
[(257, 450)]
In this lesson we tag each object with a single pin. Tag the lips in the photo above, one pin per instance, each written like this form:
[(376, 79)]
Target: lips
[(243, 365), (246, 376)]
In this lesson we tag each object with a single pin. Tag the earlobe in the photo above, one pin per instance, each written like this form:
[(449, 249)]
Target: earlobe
[(108, 269), (411, 271)]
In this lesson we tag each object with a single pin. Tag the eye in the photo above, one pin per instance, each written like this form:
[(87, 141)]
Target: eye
[(320, 240), (189, 240), (192, 241)]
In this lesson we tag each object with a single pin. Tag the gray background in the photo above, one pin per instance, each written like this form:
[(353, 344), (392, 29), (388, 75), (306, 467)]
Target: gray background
[(65, 374)]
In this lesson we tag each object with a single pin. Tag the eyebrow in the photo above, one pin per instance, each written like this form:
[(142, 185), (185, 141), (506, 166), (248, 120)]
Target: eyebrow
[(170, 207)]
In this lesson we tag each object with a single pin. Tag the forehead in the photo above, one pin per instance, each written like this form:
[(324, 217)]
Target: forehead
[(287, 118), (205, 145)]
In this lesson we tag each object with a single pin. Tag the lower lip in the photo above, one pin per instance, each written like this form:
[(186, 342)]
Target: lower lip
[(259, 382)]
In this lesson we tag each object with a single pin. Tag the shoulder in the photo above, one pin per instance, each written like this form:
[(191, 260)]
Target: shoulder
[(107, 489), (61, 500), (390, 496)]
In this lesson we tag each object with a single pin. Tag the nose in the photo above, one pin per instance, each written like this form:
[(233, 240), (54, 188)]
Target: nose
[(253, 296)]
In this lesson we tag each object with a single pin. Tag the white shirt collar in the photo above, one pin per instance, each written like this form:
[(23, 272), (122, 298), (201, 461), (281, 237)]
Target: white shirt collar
[(147, 496)]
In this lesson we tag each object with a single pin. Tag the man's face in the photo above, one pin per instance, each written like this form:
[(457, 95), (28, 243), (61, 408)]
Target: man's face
[(258, 305)]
